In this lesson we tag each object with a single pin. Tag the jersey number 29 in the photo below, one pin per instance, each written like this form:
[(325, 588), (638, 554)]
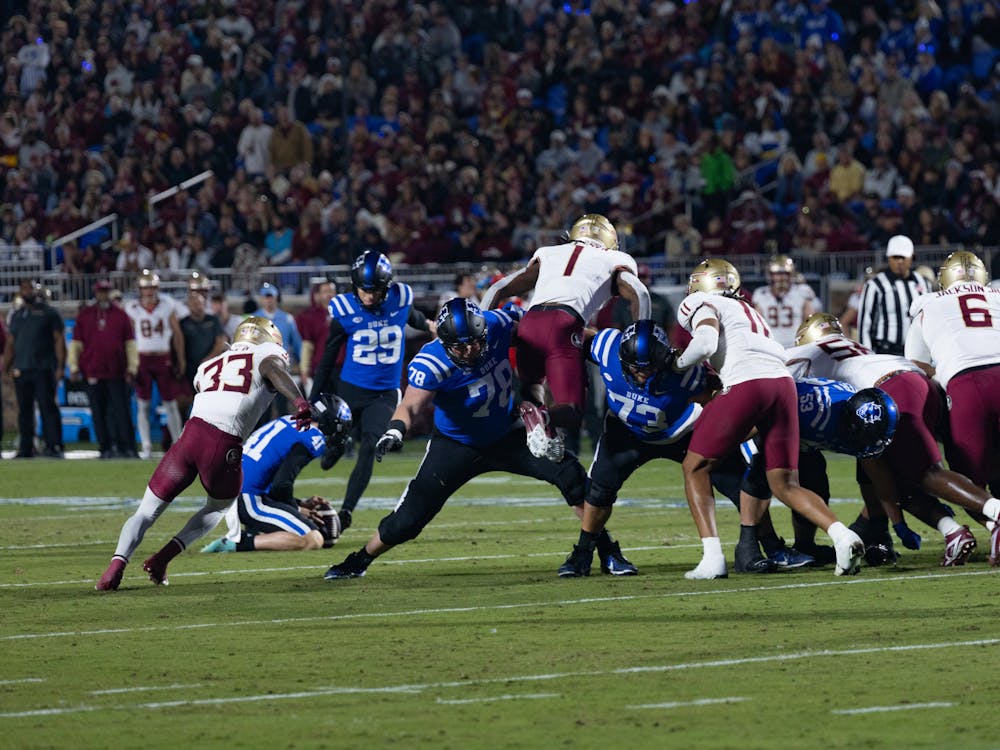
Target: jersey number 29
[(382, 346)]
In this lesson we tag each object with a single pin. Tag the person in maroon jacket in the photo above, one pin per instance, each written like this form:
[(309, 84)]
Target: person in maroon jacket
[(3, 343), (314, 325), (103, 352)]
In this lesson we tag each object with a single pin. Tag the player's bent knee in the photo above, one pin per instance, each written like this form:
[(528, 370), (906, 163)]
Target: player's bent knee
[(399, 527), (600, 496), (572, 481), (311, 540)]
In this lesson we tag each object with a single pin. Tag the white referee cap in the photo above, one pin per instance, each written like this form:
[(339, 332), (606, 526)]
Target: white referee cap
[(900, 246)]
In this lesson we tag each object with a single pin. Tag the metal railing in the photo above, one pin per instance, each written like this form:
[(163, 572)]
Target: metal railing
[(172, 191), (111, 219)]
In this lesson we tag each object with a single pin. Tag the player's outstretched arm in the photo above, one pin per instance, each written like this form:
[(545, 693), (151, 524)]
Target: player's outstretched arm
[(274, 371), (633, 290), (414, 400), (512, 285)]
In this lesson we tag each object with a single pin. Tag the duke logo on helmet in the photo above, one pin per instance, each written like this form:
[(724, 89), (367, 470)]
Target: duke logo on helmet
[(870, 412)]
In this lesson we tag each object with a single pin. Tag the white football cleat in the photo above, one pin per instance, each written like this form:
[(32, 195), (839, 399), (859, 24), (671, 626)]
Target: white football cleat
[(543, 442), (850, 552), (708, 568)]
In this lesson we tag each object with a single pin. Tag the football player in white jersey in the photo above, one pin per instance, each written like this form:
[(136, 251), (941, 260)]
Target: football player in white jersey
[(571, 282), (913, 458), (784, 304), (955, 335), (758, 391), (232, 392), (157, 333)]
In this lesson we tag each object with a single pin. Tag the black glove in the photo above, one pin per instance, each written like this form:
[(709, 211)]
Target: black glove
[(391, 440)]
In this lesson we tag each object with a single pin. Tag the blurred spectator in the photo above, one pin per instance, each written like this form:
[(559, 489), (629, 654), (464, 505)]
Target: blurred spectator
[(203, 334), (290, 142), (254, 146), (290, 334), (103, 354), (313, 325), (220, 309), (133, 256), (847, 178), (683, 240), (34, 356)]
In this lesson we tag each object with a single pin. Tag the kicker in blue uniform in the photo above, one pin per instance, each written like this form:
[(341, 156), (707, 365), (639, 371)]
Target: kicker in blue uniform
[(467, 375), (370, 321)]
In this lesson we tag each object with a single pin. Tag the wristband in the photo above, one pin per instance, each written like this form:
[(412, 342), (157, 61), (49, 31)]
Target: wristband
[(398, 425)]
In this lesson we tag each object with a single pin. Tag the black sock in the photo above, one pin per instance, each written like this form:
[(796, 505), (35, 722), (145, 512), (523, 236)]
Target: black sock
[(589, 539), (748, 534), (771, 542), (245, 544), (364, 557)]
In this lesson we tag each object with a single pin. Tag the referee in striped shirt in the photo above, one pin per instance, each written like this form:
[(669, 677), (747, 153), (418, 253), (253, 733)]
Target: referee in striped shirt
[(883, 312)]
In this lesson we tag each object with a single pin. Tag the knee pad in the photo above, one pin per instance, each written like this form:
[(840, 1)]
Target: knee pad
[(601, 496), (399, 526)]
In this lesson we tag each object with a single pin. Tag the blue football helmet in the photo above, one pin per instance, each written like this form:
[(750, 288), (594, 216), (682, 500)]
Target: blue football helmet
[(461, 326), (643, 350), (868, 423)]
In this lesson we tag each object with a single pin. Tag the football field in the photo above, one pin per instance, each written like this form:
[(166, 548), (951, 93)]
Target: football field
[(465, 637)]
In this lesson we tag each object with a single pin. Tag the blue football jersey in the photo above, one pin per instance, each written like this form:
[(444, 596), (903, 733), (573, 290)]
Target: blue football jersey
[(268, 446), (658, 412), (471, 405), (821, 404), (375, 340)]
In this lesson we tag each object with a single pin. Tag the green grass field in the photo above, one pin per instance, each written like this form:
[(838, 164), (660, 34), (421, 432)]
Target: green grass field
[(465, 638)]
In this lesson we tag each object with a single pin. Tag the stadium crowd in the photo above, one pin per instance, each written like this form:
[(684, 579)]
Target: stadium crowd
[(459, 131)]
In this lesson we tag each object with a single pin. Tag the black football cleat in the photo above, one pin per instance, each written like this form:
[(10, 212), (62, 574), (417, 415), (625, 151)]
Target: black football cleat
[(578, 563), (351, 567), (613, 562), (750, 560)]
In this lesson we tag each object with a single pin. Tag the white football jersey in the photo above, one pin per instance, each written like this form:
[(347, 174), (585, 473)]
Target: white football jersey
[(577, 274), (152, 327), (747, 350), (839, 358), (955, 329), (784, 315), (231, 394)]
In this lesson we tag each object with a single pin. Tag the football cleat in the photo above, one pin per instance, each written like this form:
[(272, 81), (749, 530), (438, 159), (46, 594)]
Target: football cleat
[(994, 559), (351, 567), (543, 442), (822, 554), (112, 577), (880, 554), (578, 563), (788, 558), (958, 546), (157, 571), (750, 560), (220, 545), (613, 562), (708, 569), (850, 551)]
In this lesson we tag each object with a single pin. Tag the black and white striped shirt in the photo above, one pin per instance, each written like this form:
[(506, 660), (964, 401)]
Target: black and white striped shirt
[(883, 311)]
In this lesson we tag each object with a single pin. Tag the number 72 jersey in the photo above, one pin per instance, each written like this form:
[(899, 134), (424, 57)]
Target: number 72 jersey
[(231, 394)]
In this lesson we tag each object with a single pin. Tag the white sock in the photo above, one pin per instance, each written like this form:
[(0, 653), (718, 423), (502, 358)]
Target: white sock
[(173, 419), (233, 522), (837, 531), (142, 417), (711, 547), (135, 527), (991, 509), (948, 525), (203, 521)]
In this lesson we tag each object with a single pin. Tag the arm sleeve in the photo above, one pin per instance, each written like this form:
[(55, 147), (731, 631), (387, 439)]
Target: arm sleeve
[(703, 344), (131, 357), (630, 279), (418, 320), (284, 479), (334, 340)]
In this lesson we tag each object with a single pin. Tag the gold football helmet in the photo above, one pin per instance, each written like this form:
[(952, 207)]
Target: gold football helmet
[(780, 264), (596, 227), (714, 276), (148, 279), (199, 282), (255, 330), (962, 266), (817, 326)]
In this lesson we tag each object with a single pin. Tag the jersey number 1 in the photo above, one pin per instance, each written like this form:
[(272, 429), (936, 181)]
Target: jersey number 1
[(571, 263)]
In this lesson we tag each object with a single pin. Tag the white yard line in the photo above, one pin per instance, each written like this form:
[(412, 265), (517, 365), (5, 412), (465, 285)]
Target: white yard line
[(417, 688), (685, 704), (523, 697), (143, 688), (22, 680), (492, 607), (885, 709)]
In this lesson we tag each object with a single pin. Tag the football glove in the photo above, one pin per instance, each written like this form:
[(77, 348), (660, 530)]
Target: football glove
[(303, 414), (391, 440), (909, 538)]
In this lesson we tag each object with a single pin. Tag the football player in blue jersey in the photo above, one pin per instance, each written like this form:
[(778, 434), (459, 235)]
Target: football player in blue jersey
[(466, 373), (651, 412), (371, 320), (834, 416), (272, 517)]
